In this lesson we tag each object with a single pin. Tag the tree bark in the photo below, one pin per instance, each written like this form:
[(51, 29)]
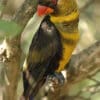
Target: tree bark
[(10, 51), (81, 66)]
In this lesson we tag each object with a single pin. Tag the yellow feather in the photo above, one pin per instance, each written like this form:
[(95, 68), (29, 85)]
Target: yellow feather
[(66, 18), (67, 12), (67, 50)]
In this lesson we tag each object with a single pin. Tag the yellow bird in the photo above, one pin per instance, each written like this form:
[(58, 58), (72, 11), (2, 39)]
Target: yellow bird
[(66, 18)]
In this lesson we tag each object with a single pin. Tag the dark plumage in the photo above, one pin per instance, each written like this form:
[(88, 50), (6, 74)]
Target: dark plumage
[(44, 55), (49, 3)]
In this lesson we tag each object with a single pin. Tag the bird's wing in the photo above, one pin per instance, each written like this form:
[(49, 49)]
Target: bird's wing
[(43, 48)]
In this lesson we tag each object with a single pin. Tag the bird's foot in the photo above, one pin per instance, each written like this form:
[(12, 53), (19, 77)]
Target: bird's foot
[(55, 80)]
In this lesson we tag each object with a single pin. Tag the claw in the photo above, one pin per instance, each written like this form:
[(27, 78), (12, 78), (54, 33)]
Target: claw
[(55, 80)]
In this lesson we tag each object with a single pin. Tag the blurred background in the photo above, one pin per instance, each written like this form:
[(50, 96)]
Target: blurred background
[(89, 22), (89, 27), (88, 89)]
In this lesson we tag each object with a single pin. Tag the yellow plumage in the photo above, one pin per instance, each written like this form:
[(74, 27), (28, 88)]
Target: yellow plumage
[(66, 20)]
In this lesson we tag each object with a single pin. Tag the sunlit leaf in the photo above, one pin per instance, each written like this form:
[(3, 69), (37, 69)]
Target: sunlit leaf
[(8, 28)]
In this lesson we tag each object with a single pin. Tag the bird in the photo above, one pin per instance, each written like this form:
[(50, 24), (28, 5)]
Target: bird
[(45, 52), (64, 18)]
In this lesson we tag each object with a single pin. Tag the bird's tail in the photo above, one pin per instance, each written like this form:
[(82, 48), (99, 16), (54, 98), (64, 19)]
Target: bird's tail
[(36, 89)]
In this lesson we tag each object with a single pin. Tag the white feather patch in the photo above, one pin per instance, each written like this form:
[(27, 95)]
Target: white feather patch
[(29, 32)]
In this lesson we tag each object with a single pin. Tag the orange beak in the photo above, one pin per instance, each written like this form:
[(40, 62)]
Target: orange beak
[(43, 10)]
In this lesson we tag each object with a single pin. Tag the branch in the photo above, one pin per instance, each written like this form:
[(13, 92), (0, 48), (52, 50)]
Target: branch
[(25, 12), (10, 51), (84, 62), (81, 66)]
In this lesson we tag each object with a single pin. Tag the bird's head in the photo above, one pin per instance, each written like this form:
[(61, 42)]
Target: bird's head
[(46, 7)]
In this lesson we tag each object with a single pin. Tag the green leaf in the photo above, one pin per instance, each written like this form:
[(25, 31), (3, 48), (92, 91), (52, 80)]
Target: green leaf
[(9, 28)]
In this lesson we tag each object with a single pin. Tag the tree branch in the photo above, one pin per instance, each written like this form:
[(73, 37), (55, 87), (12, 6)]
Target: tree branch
[(10, 51), (25, 12), (81, 66)]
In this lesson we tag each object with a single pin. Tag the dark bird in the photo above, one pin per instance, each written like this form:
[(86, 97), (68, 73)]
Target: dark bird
[(45, 52)]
